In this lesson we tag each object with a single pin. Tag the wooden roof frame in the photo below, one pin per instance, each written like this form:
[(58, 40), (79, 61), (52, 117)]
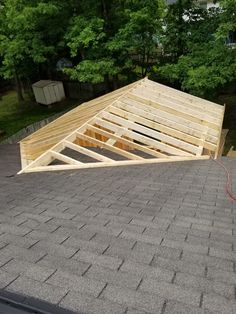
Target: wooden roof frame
[(147, 117)]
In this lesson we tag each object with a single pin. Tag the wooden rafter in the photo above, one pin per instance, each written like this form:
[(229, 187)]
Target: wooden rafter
[(142, 123)]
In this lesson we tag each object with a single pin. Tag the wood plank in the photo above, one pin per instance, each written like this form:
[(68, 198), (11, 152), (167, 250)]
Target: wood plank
[(177, 110), (222, 141), (109, 147), (217, 153), (64, 158), (115, 164), (112, 141), (87, 152), (176, 122), (44, 159), (94, 102), (130, 134), (175, 100), (153, 125), (192, 111), (48, 136), (201, 146), (164, 125), (125, 141), (145, 132), (187, 97)]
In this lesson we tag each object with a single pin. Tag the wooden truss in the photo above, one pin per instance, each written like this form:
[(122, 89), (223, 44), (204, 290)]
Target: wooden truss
[(144, 122)]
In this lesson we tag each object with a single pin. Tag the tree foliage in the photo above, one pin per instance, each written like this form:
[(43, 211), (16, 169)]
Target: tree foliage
[(206, 63), (29, 35), (105, 40), (110, 42)]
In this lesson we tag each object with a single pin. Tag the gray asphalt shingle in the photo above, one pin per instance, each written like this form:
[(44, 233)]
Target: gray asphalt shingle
[(135, 240)]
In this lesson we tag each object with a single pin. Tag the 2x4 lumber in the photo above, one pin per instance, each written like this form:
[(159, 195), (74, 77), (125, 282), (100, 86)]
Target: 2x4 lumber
[(176, 100), (164, 125), (222, 141), (217, 153), (183, 95), (64, 158), (114, 164), (201, 147), (153, 125), (112, 141), (145, 131), (43, 160), (87, 152), (171, 120), (46, 158), (177, 110), (133, 135), (108, 147), (125, 141)]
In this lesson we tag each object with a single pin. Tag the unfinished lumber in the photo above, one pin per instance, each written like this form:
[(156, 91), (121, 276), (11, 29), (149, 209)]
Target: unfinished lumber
[(144, 122)]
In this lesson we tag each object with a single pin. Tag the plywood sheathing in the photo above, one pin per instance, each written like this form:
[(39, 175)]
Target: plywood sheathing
[(144, 116)]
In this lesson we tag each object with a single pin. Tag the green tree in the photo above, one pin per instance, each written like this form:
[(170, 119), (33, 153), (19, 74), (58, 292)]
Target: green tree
[(114, 38), (30, 34), (175, 32), (137, 39), (207, 63)]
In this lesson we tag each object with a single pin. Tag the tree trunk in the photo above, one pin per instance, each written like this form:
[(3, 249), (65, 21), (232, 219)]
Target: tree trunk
[(104, 11), (148, 65), (143, 62), (107, 83), (180, 44), (115, 82), (18, 88)]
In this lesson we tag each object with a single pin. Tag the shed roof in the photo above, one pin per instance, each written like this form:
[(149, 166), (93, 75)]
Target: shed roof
[(145, 117)]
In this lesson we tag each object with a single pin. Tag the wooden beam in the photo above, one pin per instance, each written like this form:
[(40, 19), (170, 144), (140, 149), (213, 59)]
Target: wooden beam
[(109, 147), (172, 140), (182, 95), (176, 110), (59, 122), (201, 146), (164, 125), (213, 110), (42, 160), (64, 158), (171, 120), (87, 152), (145, 132), (133, 135), (217, 152), (222, 141), (123, 140), (115, 164), (112, 141)]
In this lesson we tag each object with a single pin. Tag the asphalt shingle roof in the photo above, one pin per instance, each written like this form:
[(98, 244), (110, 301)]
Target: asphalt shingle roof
[(139, 239)]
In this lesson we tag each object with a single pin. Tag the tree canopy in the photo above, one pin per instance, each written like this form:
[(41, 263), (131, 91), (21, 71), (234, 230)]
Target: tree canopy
[(206, 61), (182, 44)]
